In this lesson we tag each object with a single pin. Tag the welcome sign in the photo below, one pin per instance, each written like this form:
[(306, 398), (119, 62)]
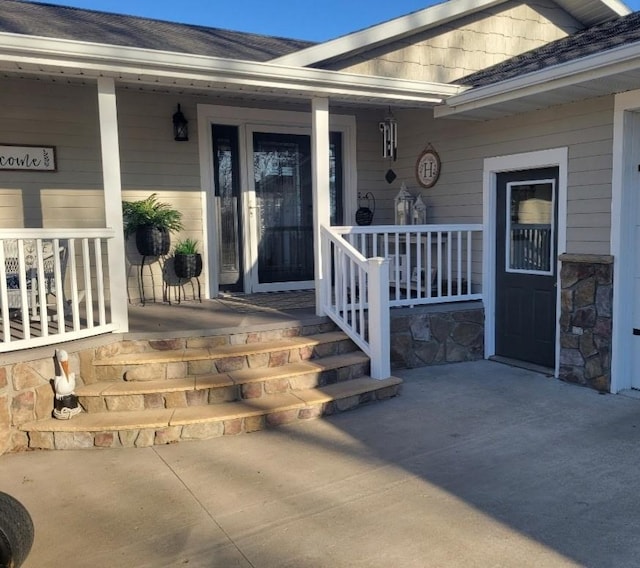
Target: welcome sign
[(33, 158)]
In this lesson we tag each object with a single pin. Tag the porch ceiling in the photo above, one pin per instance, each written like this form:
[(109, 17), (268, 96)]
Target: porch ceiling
[(70, 60)]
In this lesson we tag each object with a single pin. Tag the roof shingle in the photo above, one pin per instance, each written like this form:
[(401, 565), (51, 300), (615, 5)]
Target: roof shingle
[(49, 20), (605, 36)]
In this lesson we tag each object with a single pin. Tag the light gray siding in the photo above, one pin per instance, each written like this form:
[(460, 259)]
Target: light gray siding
[(60, 115), (586, 128)]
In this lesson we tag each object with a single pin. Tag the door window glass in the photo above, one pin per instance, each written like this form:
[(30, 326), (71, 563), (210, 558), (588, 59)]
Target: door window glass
[(227, 194), (530, 228)]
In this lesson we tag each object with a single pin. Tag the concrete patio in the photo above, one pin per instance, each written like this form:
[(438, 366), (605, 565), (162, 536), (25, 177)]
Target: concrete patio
[(475, 464)]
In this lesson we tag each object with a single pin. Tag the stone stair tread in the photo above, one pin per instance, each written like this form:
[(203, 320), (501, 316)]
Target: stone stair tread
[(104, 421), (123, 388), (221, 352), (163, 418), (345, 389), (300, 368), (233, 410)]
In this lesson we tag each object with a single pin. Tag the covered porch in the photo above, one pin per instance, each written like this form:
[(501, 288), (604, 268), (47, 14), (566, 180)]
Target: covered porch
[(83, 288), (66, 296)]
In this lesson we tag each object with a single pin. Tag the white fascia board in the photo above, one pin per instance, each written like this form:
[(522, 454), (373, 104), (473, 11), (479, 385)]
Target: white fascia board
[(118, 61), (618, 7), (596, 66), (386, 32)]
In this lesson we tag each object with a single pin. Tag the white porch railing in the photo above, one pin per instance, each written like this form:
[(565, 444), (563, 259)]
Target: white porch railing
[(53, 286), (368, 270), (429, 264)]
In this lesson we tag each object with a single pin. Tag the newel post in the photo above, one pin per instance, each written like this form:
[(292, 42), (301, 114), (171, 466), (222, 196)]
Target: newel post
[(379, 319)]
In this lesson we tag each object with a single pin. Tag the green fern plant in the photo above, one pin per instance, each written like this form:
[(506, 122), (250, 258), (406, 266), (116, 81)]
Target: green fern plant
[(186, 246), (150, 212)]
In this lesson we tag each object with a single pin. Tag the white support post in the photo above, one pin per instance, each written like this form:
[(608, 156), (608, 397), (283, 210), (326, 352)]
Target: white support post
[(321, 201), (111, 177), (379, 319)]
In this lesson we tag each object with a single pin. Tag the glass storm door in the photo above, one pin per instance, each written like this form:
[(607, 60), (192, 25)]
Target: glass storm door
[(526, 261), (281, 211)]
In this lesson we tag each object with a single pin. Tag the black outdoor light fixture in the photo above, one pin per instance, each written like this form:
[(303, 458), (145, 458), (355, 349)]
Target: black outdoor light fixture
[(180, 128)]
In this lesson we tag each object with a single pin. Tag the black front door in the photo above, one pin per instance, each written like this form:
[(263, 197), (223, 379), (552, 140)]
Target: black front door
[(526, 254)]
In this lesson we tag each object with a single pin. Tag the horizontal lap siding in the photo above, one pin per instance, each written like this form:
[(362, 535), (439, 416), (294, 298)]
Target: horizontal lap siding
[(586, 128), (60, 115), (45, 113)]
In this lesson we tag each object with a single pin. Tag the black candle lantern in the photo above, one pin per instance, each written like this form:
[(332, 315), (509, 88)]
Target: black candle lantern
[(180, 128)]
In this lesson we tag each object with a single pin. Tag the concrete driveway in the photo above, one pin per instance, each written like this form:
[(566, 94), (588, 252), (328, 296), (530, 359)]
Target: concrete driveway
[(475, 464)]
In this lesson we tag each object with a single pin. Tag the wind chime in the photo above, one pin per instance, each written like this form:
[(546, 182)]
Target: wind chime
[(389, 129)]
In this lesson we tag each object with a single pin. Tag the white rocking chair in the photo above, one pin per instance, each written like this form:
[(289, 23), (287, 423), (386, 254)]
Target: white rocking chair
[(12, 271)]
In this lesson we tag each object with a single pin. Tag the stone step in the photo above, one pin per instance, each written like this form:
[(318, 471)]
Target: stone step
[(222, 387), (166, 425), (175, 363)]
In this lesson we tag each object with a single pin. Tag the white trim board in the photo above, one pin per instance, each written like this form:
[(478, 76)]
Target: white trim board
[(76, 59), (626, 157), (557, 157)]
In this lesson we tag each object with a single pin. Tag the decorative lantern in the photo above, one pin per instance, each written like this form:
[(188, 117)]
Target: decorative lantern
[(403, 206), (419, 211), (180, 128)]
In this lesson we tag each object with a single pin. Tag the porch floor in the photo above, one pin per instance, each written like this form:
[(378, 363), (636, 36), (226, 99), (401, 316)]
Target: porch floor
[(223, 313)]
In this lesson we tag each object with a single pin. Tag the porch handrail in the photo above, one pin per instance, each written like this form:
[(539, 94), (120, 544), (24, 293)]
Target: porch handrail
[(429, 264), (53, 286), (355, 294)]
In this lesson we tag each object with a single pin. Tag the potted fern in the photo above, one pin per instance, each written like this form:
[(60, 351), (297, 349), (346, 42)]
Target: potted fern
[(187, 260), (152, 222)]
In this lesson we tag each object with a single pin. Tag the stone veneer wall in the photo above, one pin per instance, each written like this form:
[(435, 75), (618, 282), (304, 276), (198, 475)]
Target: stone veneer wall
[(438, 334), (26, 392), (585, 320)]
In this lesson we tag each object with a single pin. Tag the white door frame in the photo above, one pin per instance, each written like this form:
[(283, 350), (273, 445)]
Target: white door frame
[(556, 157), (624, 190), (259, 117)]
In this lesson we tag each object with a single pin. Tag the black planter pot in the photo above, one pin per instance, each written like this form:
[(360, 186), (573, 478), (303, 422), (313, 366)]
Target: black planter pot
[(187, 265), (152, 241)]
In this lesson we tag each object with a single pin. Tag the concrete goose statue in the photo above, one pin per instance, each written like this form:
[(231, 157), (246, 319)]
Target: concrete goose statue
[(66, 403)]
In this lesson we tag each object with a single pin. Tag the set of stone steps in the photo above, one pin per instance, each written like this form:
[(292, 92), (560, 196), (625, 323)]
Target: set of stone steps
[(143, 393)]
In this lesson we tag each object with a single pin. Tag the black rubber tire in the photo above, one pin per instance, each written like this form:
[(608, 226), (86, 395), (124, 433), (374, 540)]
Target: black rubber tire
[(16, 532)]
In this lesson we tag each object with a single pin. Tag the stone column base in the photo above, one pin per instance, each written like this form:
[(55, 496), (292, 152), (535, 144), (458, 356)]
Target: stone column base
[(585, 320)]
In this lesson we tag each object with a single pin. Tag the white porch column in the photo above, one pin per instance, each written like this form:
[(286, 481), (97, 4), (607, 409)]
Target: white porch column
[(320, 175), (107, 110)]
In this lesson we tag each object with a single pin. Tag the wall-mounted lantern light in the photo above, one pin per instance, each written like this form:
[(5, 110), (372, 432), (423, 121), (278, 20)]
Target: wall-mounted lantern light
[(180, 127), (389, 129)]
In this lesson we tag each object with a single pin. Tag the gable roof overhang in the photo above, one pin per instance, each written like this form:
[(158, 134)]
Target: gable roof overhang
[(68, 59), (614, 71), (588, 12)]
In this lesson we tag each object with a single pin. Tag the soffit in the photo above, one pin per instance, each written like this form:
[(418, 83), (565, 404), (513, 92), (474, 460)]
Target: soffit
[(65, 60)]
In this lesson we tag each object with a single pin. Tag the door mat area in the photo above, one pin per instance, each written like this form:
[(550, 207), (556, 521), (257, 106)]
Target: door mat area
[(270, 301)]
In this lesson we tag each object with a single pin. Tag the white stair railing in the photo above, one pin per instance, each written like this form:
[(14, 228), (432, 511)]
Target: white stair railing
[(355, 294)]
